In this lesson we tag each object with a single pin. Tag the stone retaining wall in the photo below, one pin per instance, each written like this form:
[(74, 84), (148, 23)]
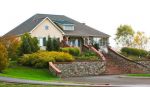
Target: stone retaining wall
[(75, 69), (146, 63)]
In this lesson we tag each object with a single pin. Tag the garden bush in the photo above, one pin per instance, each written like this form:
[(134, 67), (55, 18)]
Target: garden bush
[(88, 55), (71, 50), (134, 51), (96, 46), (28, 44), (12, 44), (3, 57), (40, 59), (52, 44)]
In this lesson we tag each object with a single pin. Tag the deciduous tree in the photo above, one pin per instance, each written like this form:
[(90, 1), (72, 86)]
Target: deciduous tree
[(3, 57), (140, 40), (124, 35), (11, 43)]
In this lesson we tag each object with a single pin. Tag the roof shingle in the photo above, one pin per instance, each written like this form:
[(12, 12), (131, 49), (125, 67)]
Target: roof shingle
[(80, 29)]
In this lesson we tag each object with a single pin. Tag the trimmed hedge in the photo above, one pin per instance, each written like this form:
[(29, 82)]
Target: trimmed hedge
[(41, 59), (134, 51), (71, 50)]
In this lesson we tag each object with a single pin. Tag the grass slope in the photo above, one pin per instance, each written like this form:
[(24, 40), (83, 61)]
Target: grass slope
[(4, 84), (17, 71)]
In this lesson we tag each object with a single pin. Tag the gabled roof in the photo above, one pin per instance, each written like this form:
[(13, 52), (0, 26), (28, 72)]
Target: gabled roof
[(80, 29)]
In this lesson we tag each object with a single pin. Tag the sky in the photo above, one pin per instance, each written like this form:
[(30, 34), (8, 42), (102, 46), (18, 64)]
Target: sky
[(103, 15)]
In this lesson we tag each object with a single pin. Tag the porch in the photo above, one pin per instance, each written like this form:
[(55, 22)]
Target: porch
[(79, 41)]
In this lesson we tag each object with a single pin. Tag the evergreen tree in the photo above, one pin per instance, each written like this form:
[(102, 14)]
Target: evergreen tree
[(49, 45), (56, 44), (28, 45), (35, 44), (25, 46)]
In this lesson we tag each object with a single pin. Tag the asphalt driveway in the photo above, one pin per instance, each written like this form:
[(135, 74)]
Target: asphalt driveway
[(112, 80)]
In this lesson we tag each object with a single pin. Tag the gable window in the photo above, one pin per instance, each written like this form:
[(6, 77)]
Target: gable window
[(46, 27), (68, 27)]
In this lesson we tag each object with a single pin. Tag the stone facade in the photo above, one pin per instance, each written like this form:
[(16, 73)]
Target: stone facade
[(76, 69), (128, 66), (146, 63)]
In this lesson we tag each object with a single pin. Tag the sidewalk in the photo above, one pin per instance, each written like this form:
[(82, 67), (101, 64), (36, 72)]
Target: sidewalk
[(15, 80)]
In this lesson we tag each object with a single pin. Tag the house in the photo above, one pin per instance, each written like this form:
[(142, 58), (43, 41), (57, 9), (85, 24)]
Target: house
[(70, 32)]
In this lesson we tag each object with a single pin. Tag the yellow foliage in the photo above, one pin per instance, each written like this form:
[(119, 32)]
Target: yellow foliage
[(3, 57), (40, 59), (140, 40)]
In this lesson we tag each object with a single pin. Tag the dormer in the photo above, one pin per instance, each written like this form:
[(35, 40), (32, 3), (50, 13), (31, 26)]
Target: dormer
[(65, 25), (68, 27)]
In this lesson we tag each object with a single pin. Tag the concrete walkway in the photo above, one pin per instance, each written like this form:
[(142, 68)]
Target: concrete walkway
[(14, 80), (112, 80)]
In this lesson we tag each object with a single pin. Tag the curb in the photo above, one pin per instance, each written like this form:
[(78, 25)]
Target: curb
[(22, 81)]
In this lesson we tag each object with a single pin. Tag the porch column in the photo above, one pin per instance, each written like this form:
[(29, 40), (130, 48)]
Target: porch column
[(88, 41), (83, 40), (76, 42), (67, 42)]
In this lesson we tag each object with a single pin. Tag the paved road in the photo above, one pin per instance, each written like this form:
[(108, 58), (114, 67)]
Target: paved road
[(111, 79), (15, 80)]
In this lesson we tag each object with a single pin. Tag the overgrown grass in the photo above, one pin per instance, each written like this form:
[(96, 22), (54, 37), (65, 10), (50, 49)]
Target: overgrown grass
[(4, 84), (18, 71), (135, 58), (139, 75)]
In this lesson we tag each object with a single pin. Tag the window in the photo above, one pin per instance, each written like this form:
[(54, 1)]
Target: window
[(68, 27), (40, 41), (46, 27), (44, 41)]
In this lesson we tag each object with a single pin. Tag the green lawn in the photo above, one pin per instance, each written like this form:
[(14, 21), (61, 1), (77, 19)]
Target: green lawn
[(139, 75), (4, 84), (17, 71)]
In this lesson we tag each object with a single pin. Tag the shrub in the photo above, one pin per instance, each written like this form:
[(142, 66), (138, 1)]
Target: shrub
[(56, 44), (88, 58), (96, 46), (11, 43), (28, 44), (40, 59), (53, 44), (89, 53), (134, 51), (71, 50), (3, 57), (49, 44)]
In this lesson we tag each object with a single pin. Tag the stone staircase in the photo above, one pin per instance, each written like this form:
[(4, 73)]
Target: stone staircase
[(111, 66), (118, 64)]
